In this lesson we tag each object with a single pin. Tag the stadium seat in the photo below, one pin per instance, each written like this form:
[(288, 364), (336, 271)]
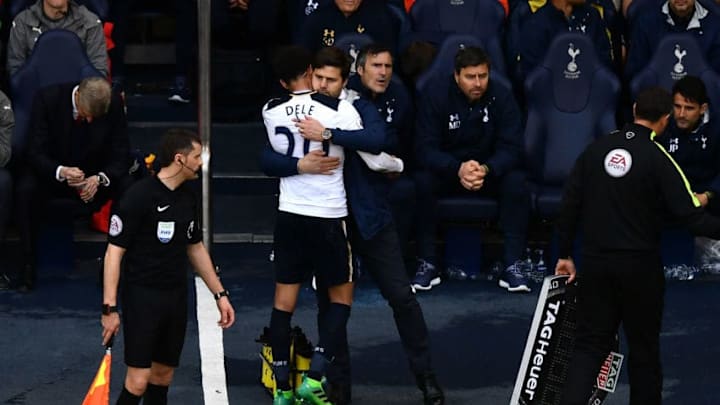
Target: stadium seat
[(571, 100), (443, 64), (518, 16), (435, 19), (58, 57), (99, 7), (676, 56), (405, 34), (352, 43)]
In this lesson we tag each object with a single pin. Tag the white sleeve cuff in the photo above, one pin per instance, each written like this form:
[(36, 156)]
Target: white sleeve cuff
[(382, 162), (104, 179), (57, 174)]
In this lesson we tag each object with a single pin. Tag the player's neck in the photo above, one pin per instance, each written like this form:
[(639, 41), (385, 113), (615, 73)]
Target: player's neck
[(170, 177), (300, 90)]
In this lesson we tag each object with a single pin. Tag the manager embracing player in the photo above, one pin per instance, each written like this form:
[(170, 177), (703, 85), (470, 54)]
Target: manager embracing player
[(154, 227)]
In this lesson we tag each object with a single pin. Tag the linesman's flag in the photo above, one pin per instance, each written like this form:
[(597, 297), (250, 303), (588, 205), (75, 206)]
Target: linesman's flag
[(99, 392)]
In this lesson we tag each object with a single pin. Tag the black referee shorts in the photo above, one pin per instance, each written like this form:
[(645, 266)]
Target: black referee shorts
[(154, 323), (309, 245)]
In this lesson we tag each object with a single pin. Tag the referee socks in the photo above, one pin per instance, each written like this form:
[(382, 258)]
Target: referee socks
[(155, 395), (128, 398)]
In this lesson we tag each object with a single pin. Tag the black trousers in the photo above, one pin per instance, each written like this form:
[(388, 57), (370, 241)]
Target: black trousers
[(38, 202), (613, 290), (6, 186), (510, 190), (381, 257)]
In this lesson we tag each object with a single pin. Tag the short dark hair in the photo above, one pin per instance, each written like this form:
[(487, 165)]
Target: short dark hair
[(372, 50), (470, 56), (653, 103), (416, 59), (291, 61), (692, 88), (175, 141), (334, 57)]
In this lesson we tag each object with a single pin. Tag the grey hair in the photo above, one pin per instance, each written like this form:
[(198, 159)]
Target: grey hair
[(94, 96)]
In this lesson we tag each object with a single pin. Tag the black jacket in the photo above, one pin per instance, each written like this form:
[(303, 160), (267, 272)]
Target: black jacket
[(105, 147), (622, 191)]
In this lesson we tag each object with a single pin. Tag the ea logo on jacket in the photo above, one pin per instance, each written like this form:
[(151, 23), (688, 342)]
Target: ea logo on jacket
[(618, 162)]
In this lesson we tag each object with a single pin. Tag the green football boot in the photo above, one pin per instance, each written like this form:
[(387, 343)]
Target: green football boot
[(284, 398), (312, 392)]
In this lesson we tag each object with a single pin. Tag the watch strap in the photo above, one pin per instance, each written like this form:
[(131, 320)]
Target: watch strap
[(109, 309), (223, 293)]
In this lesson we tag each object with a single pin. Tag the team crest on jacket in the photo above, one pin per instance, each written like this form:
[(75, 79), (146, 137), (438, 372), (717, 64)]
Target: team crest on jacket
[(328, 37), (311, 7), (165, 231), (618, 163)]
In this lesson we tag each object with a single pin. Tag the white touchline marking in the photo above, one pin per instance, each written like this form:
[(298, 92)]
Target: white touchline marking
[(212, 353)]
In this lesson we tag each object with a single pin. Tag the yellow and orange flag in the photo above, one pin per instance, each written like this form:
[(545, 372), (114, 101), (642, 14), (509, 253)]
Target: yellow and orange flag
[(99, 392)]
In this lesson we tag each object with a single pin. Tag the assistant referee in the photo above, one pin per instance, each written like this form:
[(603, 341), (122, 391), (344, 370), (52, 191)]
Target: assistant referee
[(153, 230), (622, 191)]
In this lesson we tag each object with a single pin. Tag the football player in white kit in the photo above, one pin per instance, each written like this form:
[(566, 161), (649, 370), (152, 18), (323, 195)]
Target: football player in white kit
[(310, 230)]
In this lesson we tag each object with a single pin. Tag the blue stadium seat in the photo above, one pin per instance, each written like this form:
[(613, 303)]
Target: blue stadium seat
[(638, 6), (711, 5), (58, 57), (518, 16), (99, 7), (405, 34), (571, 100), (352, 43), (436, 19), (676, 56), (444, 62)]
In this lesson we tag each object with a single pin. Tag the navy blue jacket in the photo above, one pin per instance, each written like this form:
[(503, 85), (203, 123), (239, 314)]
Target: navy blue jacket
[(547, 22), (366, 190), (298, 11), (327, 24), (396, 109), (697, 153), (652, 25), (450, 130)]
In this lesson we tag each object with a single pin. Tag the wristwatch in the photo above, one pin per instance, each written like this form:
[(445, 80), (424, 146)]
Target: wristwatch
[(103, 179), (223, 293), (326, 134), (109, 309)]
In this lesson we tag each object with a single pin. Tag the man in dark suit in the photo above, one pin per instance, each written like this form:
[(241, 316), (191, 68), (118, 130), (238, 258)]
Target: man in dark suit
[(79, 151)]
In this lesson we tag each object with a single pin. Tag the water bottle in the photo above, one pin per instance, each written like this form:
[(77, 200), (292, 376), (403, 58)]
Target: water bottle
[(528, 262), (540, 266)]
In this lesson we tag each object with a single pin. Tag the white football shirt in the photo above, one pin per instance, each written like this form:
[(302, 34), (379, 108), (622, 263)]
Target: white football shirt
[(315, 195)]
